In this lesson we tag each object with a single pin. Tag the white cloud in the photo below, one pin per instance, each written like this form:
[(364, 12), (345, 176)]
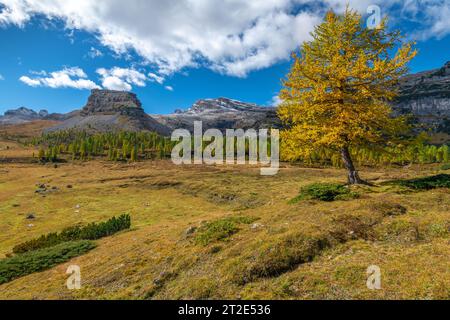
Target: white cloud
[(74, 78), (31, 82), (1, 77), (169, 88), (114, 83), (230, 36), (233, 37), (276, 101), (155, 78), (432, 15), (121, 79), (94, 53)]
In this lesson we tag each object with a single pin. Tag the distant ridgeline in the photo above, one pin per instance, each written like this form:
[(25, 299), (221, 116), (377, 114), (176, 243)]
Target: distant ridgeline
[(136, 146)]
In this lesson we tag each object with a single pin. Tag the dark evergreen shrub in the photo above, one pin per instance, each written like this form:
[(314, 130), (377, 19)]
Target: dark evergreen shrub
[(43, 259), (92, 231)]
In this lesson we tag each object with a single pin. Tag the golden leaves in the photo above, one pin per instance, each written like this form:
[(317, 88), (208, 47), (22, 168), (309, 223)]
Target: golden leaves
[(336, 93)]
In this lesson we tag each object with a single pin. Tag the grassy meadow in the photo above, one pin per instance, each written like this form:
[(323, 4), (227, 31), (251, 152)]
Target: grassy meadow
[(210, 232)]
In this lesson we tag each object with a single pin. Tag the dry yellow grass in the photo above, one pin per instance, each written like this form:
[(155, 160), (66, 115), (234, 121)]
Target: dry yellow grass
[(158, 260), (29, 129)]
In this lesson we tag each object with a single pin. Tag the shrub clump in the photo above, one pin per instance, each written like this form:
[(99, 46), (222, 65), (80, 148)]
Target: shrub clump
[(36, 261), (325, 192), (428, 183), (220, 229), (92, 231)]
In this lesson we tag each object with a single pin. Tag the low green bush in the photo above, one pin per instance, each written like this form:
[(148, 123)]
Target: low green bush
[(428, 183), (220, 229), (325, 192), (92, 231), (445, 166), (40, 260)]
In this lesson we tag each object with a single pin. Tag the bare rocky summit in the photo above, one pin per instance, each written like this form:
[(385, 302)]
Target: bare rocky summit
[(222, 113), (21, 115), (108, 110), (24, 115)]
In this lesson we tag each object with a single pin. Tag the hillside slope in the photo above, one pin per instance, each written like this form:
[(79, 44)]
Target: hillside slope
[(277, 250)]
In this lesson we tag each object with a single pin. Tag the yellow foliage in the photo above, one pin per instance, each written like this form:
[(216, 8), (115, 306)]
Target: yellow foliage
[(338, 92)]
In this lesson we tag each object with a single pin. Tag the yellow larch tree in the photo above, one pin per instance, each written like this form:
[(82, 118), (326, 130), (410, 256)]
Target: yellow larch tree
[(338, 92)]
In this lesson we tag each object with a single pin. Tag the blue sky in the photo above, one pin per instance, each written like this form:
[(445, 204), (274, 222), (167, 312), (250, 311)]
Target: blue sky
[(54, 52)]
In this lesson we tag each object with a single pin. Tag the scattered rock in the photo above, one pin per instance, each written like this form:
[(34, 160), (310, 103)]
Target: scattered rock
[(69, 186), (190, 230), (30, 225), (31, 216), (256, 226)]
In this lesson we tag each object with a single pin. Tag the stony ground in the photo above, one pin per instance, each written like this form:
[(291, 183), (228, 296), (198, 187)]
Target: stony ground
[(308, 250)]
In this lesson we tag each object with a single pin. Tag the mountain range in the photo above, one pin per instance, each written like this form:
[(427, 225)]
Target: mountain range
[(425, 96)]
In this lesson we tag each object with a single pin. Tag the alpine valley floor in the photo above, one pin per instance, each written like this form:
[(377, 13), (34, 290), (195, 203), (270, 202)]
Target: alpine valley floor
[(267, 248)]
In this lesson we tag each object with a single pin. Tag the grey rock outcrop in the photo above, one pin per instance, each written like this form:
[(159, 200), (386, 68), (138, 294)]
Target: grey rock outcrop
[(108, 110), (426, 95)]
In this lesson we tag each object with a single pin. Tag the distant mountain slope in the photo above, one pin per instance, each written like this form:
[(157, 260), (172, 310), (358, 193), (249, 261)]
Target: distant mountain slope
[(427, 96), (108, 110), (25, 115), (222, 113)]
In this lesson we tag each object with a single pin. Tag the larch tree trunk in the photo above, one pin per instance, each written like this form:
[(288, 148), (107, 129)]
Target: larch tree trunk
[(353, 175)]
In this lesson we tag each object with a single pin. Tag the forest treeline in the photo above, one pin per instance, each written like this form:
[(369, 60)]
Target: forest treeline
[(135, 146)]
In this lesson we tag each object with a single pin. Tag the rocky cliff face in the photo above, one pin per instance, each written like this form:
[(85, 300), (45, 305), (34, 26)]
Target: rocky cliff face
[(222, 113), (108, 110), (426, 95), (112, 102)]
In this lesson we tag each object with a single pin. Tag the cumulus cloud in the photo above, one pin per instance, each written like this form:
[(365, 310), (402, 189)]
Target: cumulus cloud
[(73, 77), (233, 37), (121, 79), (430, 15)]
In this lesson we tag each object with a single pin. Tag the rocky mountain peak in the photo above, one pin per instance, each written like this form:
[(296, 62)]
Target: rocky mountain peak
[(43, 113), (223, 105), (22, 111), (112, 102)]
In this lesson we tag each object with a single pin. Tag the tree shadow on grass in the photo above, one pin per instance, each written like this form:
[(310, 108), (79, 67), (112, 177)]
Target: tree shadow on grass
[(426, 183)]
